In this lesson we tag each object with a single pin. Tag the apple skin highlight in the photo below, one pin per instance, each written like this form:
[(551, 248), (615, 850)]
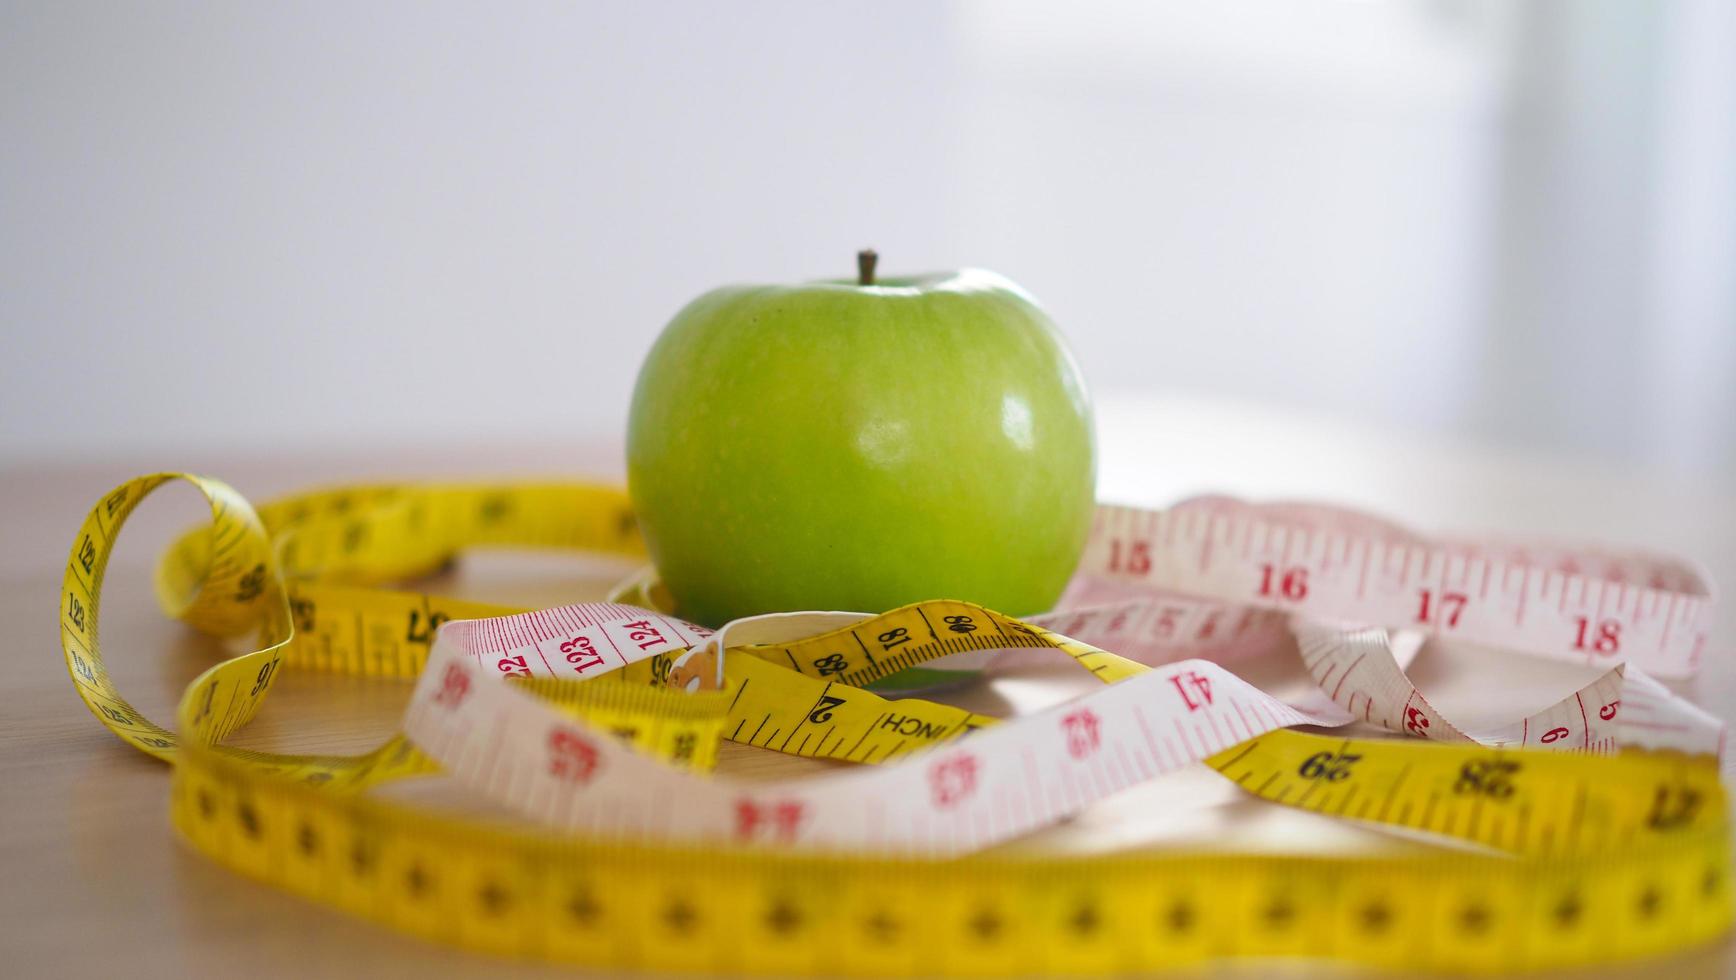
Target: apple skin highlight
[(833, 445)]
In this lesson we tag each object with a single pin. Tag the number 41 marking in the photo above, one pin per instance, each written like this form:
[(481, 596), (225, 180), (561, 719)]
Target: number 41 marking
[(1195, 690)]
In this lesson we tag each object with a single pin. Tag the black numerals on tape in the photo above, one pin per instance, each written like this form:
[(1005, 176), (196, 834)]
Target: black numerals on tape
[(1491, 778), (205, 706), (493, 508), (302, 611), (262, 678), (1329, 766), (251, 584), (423, 627), (681, 750), (1673, 807), (822, 711)]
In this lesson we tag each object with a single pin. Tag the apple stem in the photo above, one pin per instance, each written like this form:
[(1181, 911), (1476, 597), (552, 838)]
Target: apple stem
[(865, 261)]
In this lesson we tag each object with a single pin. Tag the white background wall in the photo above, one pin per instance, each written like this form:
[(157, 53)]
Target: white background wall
[(286, 225)]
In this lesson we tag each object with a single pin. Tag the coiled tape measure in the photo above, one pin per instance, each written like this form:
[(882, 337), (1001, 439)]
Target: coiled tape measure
[(1605, 837)]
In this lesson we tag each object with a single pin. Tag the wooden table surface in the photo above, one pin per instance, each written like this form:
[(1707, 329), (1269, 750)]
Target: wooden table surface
[(95, 883)]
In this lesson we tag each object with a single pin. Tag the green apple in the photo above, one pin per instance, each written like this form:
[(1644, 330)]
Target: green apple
[(860, 446)]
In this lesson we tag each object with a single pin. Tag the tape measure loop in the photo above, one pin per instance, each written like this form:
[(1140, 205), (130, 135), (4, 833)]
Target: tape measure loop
[(1566, 859)]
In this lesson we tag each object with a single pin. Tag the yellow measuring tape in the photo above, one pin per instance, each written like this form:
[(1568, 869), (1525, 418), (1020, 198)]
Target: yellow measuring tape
[(1584, 860)]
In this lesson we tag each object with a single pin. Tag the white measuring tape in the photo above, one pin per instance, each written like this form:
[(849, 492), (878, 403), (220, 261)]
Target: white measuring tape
[(1581, 605), (1005, 781), (1030, 772)]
